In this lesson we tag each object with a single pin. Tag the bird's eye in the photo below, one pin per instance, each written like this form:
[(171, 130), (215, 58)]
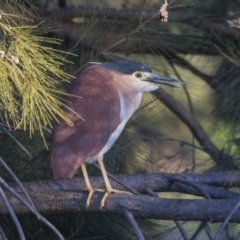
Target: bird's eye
[(138, 75)]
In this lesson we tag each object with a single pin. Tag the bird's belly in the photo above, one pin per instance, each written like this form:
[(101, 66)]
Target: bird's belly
[(112, 139)]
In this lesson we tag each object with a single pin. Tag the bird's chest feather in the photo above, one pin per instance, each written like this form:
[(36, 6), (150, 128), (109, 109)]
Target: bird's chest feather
[(128, 105)]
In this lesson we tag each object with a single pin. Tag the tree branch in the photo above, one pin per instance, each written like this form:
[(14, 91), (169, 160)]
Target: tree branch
[(53, 196), (2, 234), (132, 14), (199, 133), (157, 182), (142, 207), (182, 230), (133, 223), (173, 57), (224, 224), (10, 210)]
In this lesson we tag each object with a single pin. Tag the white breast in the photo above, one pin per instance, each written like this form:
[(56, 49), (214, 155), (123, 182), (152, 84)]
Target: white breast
[(129, 105), (130, 98)]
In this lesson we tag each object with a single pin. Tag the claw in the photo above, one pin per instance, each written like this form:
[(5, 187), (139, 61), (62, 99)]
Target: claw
[(108, 192), (90, 194)]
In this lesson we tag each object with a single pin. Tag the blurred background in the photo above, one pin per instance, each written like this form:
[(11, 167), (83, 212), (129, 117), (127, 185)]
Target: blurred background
[(199, 45)]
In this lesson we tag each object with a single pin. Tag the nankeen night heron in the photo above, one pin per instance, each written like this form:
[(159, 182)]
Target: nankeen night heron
[(109, 93)]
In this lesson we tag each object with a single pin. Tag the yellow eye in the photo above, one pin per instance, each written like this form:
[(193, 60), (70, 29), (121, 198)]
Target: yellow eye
[(138, 75)]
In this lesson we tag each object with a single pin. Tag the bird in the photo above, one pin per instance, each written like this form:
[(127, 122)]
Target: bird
[(100, 101)]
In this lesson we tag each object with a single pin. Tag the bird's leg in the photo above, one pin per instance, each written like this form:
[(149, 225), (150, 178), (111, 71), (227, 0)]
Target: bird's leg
[(88, 185), (109, 188)]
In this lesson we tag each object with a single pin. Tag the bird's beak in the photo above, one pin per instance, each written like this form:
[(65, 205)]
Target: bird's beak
[(161, 80)]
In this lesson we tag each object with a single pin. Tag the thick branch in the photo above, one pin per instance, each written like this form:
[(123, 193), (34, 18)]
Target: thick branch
[(130, 44), (158, 182), (62, 19), (67, 14), (140, 206), (53, 196)]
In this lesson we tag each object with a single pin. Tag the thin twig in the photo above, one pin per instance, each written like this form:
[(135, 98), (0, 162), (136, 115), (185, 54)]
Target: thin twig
[(48, 130), (133, 223), (151, 192), (2, 234), (5, 125), (16, 141), (44, 220), (208, 232), (194, 185), (182, 230), (17, 195), (227, 233), (224, 224), (38, 215), (188, 169), (229, 58), (78, 227), (176, 140), (13, 215), (199, 229), (191, 108), (19, 184)]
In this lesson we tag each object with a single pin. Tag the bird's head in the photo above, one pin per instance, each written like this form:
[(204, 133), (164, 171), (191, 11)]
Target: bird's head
[(141, 75)]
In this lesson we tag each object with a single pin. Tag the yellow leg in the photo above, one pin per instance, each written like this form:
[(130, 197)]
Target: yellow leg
[(109, 188), (88, 185)]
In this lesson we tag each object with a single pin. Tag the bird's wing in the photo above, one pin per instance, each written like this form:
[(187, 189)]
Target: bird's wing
[(98, 104)]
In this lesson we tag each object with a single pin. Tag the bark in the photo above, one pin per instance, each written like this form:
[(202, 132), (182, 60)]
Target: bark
[(175, 15), (52, 196), (157, 182), (143, 207)]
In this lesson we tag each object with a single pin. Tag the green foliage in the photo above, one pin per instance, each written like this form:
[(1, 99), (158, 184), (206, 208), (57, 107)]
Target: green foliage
[(31, 70)]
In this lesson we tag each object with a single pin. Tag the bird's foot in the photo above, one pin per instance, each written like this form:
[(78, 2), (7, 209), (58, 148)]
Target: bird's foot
[(90, 194), (108, 192)]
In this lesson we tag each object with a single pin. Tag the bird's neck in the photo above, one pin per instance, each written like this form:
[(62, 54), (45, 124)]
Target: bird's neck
[(130, 98)]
